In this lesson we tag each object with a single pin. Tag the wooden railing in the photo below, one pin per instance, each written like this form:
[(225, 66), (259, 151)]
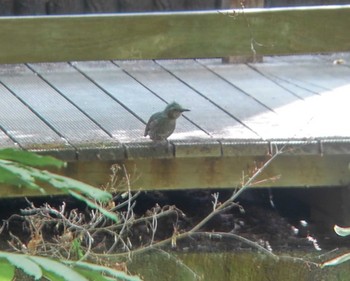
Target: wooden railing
[(175, 35)]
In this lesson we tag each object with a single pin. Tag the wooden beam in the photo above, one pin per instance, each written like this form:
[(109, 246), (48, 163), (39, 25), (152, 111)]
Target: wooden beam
[(210, 172), (175, 35)]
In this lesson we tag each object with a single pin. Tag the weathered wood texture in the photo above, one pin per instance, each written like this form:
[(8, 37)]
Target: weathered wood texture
[(60, 7), (56, 7), (95, 112), (293, 3), (84, 104), (174, 35)]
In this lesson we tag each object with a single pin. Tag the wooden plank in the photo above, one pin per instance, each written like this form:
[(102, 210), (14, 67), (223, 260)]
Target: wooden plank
[(293, 170), (198, 148), (122, 88), (310, 72), (92, 100), (238, 148), (330, 113), (284, 70), (138, 99), (298, 74), (335, 146), (6, 142), (297, 147), (328, 82), (203, 112), (26, 128), (224, 95), (337, 58), (252, 83), (251, 112), (285, 124), (174, 35), (63, 117)]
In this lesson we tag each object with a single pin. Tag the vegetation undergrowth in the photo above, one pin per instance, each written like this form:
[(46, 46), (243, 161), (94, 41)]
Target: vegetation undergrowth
[(95, 243), (60, 257)]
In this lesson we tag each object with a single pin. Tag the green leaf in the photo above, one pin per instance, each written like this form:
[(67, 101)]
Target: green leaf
[(62, 182), (12, 173), (30, 158), (342, 231), (25, 176), (39, 267), (91, 204), (56, 270), (7, 270), (77, 249), (92, 275), (53, 276), (103, 269), (336, 261), (23, 262), (65, 184)]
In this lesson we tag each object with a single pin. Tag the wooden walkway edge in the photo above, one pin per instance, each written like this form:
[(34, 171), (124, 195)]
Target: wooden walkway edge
[(92, 114)]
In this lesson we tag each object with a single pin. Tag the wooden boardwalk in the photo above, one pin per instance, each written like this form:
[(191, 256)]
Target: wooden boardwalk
[(97, 110)]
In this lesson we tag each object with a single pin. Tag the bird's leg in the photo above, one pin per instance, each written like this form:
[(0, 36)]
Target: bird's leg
[(168, 146), (162, 144)]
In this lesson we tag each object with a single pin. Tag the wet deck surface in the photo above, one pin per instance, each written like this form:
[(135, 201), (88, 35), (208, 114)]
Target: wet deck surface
[(98, 110)]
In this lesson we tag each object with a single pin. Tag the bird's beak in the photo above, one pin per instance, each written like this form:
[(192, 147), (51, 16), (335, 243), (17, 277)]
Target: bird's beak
[(184, 109)]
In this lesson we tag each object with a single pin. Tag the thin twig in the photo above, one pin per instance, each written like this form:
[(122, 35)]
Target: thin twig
[(240, 238), (178, 261), (236, 194), (128, 212)]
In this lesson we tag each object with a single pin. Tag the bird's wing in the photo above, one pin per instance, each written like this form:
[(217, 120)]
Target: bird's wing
[(151, 123)]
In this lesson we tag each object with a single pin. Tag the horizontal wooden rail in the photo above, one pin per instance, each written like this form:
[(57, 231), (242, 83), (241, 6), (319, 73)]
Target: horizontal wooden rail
[(175, 35)]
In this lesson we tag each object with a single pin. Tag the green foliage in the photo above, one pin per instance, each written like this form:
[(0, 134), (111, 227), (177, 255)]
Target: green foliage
[(91, 204), (12, 173), (22, 262), (88, 268), (30, 158), (56, 270), (342, 231), (77, 249), (7, 271), (336, 261), (21, 168), (17, 168), (39, 267)]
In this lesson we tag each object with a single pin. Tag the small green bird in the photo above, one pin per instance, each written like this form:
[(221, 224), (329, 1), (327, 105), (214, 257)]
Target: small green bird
[(162, 124)]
